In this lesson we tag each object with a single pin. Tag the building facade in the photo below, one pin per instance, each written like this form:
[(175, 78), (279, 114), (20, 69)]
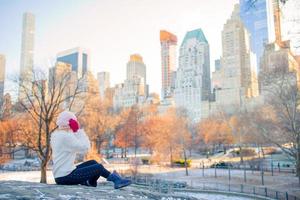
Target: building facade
[(61, 77), (129, 93), (193, 74), (103, 82), (254, 17), (168, 42), (78, 58), (27, 50), (291, 24), (2, 77), (217, 64), (236, 80), (134, 90), (137, 68)]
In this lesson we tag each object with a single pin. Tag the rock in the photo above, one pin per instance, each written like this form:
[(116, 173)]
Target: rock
[(23, 190)]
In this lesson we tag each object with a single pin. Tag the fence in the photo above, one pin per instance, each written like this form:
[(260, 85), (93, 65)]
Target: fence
[(240, 172), (273, 167), (163, 186), (248, 189)]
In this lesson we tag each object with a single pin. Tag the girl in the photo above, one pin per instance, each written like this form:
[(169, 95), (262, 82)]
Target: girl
[(65, 143)]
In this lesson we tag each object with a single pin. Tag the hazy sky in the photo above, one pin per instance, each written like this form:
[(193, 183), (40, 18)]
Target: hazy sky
[(110, 29)]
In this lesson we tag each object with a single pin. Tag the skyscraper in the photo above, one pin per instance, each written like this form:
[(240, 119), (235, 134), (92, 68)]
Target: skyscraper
[(283, 51), (136, 67), (2, 77), (134, 89), (254, 18), (193, 73), (168, 42), (77, 57), (26, 65), (291, 24), (237, 74), (103, 82), (217, 64)]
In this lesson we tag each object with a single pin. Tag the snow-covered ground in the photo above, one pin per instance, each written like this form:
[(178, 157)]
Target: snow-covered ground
[(214, 196), (30, 176)]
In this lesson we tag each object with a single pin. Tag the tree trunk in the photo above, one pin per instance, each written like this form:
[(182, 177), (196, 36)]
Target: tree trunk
[(241, 155), (44, 171), (171, 157), (12, 153), (262, 151), (298, 167), (185, 163), (298, 162), (107, 153), (27, 153), (94, 146), (122, 152), (258, 148)]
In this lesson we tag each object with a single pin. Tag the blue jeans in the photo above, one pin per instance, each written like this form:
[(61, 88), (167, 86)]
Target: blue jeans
[(86, 173)]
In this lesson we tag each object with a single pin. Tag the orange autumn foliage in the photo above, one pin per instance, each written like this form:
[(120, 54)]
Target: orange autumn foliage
[(130, 134), (215, 132), (166, 135)]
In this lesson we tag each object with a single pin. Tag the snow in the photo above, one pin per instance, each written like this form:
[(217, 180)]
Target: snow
[(25, 164), (30, 176), (214, 196)]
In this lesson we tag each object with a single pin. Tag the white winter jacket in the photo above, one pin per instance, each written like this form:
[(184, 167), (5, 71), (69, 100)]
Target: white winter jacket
[(65, 145)]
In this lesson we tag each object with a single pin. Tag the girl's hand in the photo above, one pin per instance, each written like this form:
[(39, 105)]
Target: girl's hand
[(74, 125)]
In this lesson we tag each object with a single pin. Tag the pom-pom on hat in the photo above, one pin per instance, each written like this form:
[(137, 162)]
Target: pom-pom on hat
[(63, 120)]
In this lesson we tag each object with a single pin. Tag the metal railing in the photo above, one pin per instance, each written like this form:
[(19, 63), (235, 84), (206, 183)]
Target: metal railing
[(164, 186)]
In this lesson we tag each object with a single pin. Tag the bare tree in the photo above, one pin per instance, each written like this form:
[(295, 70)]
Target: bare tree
[(279, 119), (98, 121), (42, 100)]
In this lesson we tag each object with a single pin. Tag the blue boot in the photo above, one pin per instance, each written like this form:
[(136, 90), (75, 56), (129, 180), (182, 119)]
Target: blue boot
[(118, 181)]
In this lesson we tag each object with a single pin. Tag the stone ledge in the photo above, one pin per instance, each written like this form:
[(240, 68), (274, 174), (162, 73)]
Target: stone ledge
[(32, 190)]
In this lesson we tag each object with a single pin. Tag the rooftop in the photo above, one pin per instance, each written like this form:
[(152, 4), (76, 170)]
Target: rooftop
[(167, 36), (197, 33)]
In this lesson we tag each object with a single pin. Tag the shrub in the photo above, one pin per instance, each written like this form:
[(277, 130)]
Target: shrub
[(180, 162)]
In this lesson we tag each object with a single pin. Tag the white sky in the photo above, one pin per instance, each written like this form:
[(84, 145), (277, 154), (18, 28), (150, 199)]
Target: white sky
[(113, 29)]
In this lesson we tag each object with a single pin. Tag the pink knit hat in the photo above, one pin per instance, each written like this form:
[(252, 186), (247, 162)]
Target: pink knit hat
[(67, 119)]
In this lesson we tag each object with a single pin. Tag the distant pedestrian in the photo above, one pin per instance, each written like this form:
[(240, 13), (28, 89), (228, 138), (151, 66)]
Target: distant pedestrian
[(66, 142)]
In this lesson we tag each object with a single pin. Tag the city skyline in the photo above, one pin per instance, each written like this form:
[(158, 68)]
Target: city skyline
[(112, 40)]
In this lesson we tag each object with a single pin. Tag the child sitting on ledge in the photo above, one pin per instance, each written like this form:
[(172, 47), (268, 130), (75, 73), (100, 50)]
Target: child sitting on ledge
[(66, 142)]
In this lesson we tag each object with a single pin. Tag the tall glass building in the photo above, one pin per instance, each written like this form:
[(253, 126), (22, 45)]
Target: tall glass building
[(77, 57), (2, 77), (254, 17)]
